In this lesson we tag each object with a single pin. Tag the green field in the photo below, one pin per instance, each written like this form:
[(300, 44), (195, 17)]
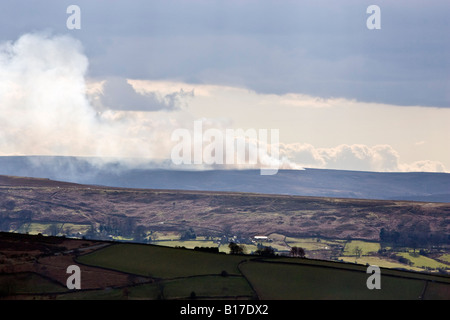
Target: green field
[(45, 228), (294, 282), (367, 254), (162, 262), (364, 260), (418, 260), (209, 287), (311, 244), (445, 257), (27, 283), (189, 244), (354, 251), (365, 247), (179, 273)]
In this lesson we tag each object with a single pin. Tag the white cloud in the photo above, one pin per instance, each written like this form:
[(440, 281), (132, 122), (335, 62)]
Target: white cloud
[(423, 166), (383, 158)]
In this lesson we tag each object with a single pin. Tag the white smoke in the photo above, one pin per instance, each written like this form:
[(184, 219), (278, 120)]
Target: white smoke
[(42, 103), (45, 110)]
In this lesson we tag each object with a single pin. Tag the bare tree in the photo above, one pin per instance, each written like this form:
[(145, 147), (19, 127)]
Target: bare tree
[(53, 229), (357, 251)]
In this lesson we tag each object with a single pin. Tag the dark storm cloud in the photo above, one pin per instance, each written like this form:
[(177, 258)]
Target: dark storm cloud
[(320, 48)]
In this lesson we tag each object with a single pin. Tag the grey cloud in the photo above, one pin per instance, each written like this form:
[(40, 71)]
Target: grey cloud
[(302, 47), (118, 94), (320, 48)]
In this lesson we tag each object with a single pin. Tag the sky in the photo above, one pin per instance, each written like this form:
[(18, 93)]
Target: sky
[(341, 95)]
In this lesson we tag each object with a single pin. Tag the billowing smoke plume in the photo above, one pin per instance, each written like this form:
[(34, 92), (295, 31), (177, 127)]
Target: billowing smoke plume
[(47, 109), (44, 109), (42, 102)]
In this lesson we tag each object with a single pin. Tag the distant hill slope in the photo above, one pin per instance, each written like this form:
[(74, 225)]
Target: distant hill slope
[(429, 187), (26, 203)]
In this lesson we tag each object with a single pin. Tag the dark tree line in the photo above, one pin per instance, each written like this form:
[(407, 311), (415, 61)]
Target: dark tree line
[(413, 237), (297, 252), (265, 252), (236, 248), (207, 249), (188, 235)]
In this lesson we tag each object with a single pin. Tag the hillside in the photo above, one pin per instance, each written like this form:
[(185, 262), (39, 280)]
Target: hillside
[(34, 268), (420, 186), (92, 226), (24, 201)]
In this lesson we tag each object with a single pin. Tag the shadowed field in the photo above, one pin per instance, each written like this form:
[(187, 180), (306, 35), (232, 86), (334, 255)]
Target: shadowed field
[(37, 270)]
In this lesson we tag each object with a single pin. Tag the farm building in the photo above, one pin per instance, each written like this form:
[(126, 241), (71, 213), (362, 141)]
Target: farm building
[(261, 238)]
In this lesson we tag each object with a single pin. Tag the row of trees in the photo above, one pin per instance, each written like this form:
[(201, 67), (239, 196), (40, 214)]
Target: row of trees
[(264, 251), (414, 237)]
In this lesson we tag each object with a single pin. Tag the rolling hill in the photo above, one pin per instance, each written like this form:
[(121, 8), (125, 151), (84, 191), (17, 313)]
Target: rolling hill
[(420, 186), (34, 266), (24, 201)]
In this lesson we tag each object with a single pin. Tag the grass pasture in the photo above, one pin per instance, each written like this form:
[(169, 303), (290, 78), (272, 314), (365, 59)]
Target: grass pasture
[(44, 228), (277, 281), (161, 262), (189, 244), (445, 257), (159, 235), (364, 260), (177, 272), (180, 272), (27, 283), (118, 271), (420, 261), (366, 247), (310, 244), (207, 286)]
